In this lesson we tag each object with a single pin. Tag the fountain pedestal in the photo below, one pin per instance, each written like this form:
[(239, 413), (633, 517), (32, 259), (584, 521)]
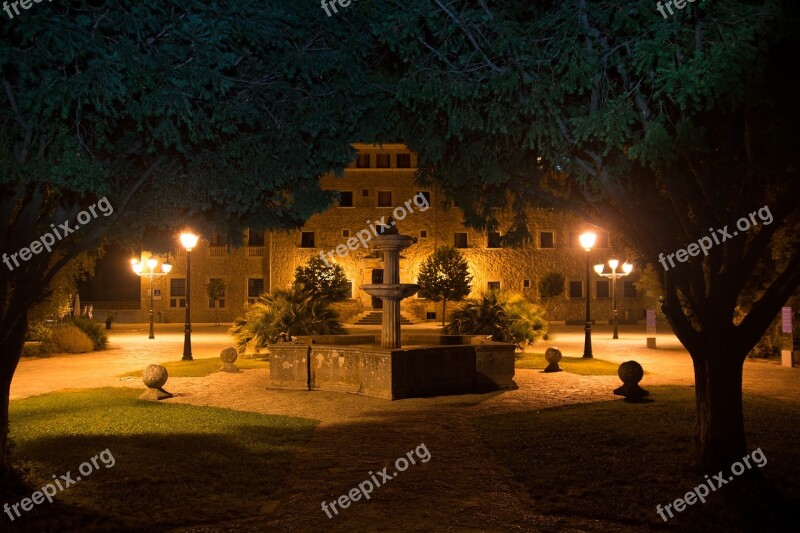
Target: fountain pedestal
[(392, 291)]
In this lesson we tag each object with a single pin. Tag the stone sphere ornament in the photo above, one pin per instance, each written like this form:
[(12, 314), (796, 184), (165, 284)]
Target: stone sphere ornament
[(228, 357), (155, 377), (631, 373), (553, 356)]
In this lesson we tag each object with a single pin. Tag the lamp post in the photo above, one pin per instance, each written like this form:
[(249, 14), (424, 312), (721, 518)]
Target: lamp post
[(151, 273), (587, 241), (627, 268), (188, 241)]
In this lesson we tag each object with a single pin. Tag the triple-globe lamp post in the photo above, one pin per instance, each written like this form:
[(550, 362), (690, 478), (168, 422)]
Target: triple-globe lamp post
[(150, 272), (627, 268)]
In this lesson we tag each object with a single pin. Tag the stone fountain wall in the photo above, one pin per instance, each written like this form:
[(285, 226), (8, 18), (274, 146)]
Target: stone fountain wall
[(393, 374)]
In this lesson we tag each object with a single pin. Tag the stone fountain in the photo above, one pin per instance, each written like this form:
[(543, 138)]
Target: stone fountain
[(433, 365), (391, 292)]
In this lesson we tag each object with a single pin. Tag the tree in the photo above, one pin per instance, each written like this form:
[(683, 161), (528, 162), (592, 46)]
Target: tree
[(551, 285), (444, 276), (174, 113), (658, 129), (215, 289), (323, 280)]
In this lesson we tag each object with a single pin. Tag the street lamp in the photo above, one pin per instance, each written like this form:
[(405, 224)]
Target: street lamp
[(587, 241), (188, 241), (627, 268), (150, 273)]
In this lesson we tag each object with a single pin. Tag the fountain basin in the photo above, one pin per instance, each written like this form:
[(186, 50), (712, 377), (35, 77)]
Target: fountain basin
[(476, 366), (396, 291)]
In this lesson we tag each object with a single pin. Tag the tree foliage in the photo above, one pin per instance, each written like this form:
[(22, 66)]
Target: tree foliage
[(551, 285), (656, 129), (444, 276), (215, 290), (323, 280)]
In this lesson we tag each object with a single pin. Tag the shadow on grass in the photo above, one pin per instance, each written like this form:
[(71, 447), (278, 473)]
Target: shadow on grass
[(617, 461), (173, 464)]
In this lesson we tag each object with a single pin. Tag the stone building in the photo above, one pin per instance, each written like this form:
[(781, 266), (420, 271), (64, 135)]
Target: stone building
[(379, 184)]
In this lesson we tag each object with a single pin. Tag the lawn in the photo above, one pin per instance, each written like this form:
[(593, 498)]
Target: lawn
[(201, 367), (173, 464), (614, 460), (575, 365)]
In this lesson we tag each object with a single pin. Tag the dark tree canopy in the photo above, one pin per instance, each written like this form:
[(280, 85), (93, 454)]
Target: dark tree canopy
[(322, 280)]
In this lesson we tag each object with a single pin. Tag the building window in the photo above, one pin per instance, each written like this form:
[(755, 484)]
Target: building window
[(345, 233), (365, 192), (493, 240), (547, 239), (526, 284), (423, 234), (362, 161), (307, 239), (403, 160), (255, 288), (426, 195), (576, 289), (177, 292), (217, 239), (383, 161), (603, 288), (460, 239), (345, 198), (430, 315), (384, 198), (493, 286), (628, 289), (212, 304), (255, 238)]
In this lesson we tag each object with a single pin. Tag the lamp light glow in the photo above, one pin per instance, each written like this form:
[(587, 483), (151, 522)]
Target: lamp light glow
[(166, 268), (587, 240), (189, 240), (152, 263), (137, 268), (599, 268), (613, 263), (627, 268)]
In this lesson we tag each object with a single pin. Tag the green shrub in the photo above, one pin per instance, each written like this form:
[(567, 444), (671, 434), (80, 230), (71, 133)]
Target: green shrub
[(94, 330), (38, 331), (506, 317), (286, 313), (67, 338), (35, 349)]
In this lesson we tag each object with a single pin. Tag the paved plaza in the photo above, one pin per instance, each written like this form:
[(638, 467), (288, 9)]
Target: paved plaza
[(462, 488)]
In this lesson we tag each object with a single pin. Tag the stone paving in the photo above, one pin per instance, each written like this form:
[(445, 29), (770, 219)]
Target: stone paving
[(462, 487)]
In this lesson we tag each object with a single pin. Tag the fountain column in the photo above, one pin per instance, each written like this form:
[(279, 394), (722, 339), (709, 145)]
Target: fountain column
[(391, 291)]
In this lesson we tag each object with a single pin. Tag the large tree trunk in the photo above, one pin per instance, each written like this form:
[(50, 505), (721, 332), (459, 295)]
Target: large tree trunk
[(12, 340), (719, 432)]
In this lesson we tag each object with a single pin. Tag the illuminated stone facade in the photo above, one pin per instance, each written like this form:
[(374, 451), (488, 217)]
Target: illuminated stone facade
[(376, 186)]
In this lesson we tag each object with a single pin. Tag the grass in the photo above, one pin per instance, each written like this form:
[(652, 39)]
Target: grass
[(173, 465), (575, 365), (614, 460), (201, 367)]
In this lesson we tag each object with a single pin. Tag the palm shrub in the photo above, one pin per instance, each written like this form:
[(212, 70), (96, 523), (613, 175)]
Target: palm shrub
[(93, 330), (505, 316), (285, 313)]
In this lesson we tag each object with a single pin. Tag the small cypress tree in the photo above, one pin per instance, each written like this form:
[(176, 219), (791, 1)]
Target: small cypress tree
[(444, 276)]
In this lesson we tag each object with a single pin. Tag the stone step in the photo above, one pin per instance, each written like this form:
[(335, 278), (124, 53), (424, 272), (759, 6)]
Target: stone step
[(375, 318)]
